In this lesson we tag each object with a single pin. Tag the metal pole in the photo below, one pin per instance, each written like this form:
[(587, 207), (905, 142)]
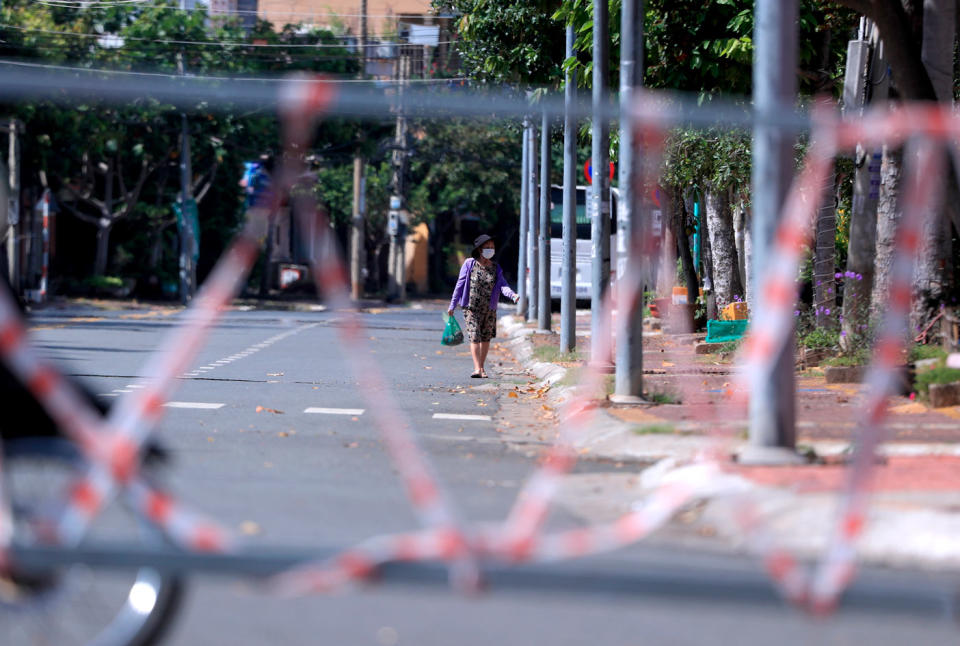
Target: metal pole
[(45, 237), (600, 197), (356, 234), (524, 215), (568, 284), (772, 429), (363, 38), (533, 244), (543, 308), (186, 240), (629, 364), (13, 207)]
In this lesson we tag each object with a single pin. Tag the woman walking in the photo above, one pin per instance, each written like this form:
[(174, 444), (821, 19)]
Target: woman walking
[(478, 291)]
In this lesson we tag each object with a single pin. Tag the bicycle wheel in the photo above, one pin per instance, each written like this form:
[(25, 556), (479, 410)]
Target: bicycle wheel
[(76, 604)]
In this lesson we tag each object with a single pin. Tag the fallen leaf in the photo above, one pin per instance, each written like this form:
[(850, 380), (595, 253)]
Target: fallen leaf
[(512, 393), (427, 368), (262, 409), (545, 407), (283, 434), (354, 419), (666, 364), (352, 445), (209, 439), (249, 528), (439, 351)]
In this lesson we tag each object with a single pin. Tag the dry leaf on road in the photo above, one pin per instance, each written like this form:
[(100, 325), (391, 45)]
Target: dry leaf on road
[(263, 409)]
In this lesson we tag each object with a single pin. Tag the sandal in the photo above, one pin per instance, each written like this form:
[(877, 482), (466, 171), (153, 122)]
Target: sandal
[(483, 374), (475, 375)]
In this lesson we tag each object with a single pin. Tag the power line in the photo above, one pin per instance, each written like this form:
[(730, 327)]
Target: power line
[(173, 75), (92, 4), (206, 43)]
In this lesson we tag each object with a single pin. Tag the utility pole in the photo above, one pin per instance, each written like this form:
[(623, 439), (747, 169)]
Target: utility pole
[(568, 280), (363, 38), (600, 196), (13, 206), (524, 215), (543, 308), (357, 229), (629, 364), (533, 242), (359, 184), (772, 406), (187, 237), (396, 221)]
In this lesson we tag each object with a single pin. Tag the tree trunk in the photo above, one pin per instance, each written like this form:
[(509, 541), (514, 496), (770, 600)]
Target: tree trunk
[(862, 247), (929, 277), (739, 235), (683, 246), (886, 226), (103, 246), (667, 275), (706, 254), (723, 247)]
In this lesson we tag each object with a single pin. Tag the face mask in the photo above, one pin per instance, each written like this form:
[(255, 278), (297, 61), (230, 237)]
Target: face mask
[(488, 253)]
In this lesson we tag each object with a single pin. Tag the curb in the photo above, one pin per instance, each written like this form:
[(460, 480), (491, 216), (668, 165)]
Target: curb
[(915, 529)]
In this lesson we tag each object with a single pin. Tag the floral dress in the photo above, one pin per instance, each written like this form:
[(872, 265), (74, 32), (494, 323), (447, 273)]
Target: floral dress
[(481, 320)]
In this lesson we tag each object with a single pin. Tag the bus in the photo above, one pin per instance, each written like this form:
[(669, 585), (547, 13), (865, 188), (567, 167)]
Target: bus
[(583, 272)]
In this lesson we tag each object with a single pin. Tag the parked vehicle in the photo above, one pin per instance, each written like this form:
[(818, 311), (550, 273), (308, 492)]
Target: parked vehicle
[(584, 261)]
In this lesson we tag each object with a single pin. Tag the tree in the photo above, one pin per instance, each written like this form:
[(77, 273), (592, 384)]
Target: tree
[(74, 145)]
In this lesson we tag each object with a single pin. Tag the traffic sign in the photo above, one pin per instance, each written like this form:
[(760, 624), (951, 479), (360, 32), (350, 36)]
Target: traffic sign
[(588, 171)]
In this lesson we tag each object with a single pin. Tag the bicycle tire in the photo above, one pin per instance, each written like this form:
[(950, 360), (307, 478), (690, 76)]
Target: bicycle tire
[(146, 611)]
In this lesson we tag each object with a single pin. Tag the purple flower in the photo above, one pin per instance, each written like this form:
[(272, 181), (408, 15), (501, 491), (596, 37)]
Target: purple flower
[(838, 275), (827, 311), (796, 312), (819, 282), (843, 333), (859, 276)]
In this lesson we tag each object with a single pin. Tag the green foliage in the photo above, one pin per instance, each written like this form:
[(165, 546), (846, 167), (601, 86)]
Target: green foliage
[(104, 282), (552, 354), (654, 429), (820, 339), (157, 36), (939, 374), (509, 42), (860, 357), (464, 167), (919, 352)]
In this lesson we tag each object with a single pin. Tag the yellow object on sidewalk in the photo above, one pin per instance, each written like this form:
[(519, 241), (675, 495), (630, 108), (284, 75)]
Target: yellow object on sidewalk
[(734, 312)]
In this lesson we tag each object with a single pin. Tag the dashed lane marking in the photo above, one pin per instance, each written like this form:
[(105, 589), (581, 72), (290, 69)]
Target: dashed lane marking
[(202, 405), (474, 418), (334, 411)]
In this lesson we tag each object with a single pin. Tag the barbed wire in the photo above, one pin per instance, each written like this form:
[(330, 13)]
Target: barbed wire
[(90, 4)]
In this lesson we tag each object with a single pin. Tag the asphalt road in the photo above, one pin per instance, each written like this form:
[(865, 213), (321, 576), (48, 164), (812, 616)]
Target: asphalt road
[(283, 477)]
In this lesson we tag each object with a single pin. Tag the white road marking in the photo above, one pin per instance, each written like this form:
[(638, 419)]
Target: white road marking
[(122, 390), (108, 395), (335, 411), (475, 418), (134, 386), (203, 405)]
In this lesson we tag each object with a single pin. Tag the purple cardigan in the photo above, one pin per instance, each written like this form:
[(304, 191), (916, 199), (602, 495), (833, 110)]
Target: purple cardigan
[(461, 293)]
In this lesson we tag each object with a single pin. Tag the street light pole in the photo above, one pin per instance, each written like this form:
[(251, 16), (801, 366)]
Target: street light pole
[(543, 309), (600, 197), (629, 364), (772, 428), (568, 283), (533, 222), (524, 215)]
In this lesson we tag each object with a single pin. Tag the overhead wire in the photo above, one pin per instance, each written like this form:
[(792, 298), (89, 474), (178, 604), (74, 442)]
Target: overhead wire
[(90, 4), (210, 43), (191, 77)]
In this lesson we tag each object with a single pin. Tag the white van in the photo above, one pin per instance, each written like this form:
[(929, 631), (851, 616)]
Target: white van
[(583, 274)]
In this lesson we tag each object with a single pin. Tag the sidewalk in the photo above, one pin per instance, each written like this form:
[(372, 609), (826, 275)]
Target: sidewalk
[(915, 512)]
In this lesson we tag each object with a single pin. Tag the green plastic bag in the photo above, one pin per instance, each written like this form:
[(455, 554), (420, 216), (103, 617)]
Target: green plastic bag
[(452, 334)]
